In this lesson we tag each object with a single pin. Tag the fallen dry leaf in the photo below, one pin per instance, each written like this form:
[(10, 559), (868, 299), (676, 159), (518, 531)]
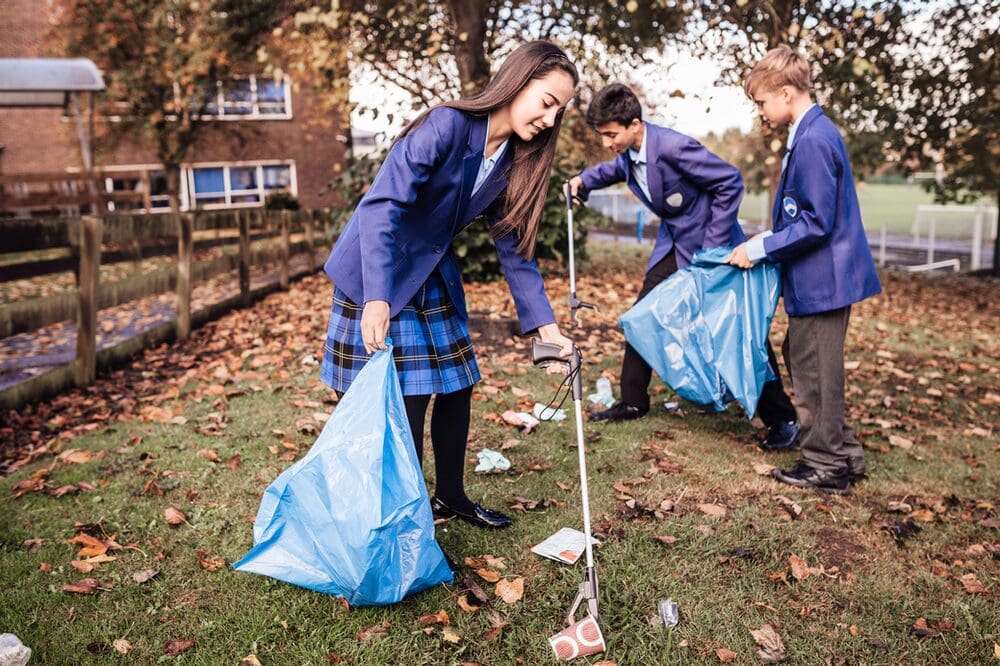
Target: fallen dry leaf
[(449, 634), (972, 584), (145, 575), (793, 509), (800, 570), (173, 516), (764, 469), (380, 630), (463, 603), (714, 510), (82, 586), (176, 646), (724, 655), (771, 649), (510, 591), (249, 660), (210, 455), (122, 646), (91, 546), (441, 617), (901, 442), (488, 575)]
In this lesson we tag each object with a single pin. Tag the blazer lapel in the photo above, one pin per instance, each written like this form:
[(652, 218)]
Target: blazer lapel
[(653, 179), (470, 165), (494, 185)]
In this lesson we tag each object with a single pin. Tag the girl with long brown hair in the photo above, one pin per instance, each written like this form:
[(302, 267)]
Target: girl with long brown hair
[(396, 274)]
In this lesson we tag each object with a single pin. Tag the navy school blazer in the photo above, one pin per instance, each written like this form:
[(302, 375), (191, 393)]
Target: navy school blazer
[(818, 235), (695, 194), (420, 199)]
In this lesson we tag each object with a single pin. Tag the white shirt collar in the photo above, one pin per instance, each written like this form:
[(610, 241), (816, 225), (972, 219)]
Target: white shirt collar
[(795, 127), (639, 157)]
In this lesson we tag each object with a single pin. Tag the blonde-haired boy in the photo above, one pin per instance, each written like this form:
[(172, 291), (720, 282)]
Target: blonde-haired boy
[(826, 266)]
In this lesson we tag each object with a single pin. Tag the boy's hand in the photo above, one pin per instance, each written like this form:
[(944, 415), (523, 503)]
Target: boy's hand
[(738, 257), (575, 183)]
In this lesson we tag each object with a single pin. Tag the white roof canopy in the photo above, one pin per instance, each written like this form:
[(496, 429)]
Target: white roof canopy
[(46, 82)]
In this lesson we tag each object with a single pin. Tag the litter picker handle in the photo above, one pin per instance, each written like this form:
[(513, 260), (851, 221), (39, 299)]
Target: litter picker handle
[(546, 352)]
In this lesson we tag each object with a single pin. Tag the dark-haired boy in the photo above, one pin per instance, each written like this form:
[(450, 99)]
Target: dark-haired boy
[(696, 195)]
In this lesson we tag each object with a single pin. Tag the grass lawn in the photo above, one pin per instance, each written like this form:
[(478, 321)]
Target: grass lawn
[(204, 426), (894, 204)]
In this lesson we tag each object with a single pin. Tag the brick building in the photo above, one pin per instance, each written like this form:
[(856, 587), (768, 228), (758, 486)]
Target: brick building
[(265, 137)]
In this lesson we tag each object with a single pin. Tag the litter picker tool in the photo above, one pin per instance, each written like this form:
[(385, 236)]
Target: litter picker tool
[(545, 354)]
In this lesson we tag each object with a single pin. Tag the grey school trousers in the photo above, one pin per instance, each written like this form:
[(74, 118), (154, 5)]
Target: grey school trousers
[(814, 355)]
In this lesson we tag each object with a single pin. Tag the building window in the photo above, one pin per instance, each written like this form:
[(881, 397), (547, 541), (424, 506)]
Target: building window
[(127, 188), (238, 184), (249, 98)]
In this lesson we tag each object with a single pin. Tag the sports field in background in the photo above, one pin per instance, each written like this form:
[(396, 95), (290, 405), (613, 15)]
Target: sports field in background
[(895, 204)]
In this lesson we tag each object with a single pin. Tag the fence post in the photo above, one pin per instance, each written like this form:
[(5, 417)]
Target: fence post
[(283, 223), (243, 222), (977, 238), (310, 250), (91, 232), (931, 235), (185, 248), (882, 242)]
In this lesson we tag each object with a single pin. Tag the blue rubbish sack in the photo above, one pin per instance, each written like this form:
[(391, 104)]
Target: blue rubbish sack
[(704, 329), (352, 518)]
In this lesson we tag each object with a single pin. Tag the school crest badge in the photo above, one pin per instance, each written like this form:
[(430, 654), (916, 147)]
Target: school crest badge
[(790, 207)]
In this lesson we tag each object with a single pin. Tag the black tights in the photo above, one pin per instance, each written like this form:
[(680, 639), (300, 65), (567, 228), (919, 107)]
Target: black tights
[(449, 436)]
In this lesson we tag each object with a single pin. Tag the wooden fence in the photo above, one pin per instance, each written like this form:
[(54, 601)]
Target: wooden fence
[(258, 237)]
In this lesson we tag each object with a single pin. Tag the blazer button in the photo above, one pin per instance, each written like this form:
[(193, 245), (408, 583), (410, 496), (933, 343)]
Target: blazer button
[(438, 249)]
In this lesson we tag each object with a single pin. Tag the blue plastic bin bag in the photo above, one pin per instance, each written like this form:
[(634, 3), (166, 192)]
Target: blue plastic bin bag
[(352, 517), (704, 329)]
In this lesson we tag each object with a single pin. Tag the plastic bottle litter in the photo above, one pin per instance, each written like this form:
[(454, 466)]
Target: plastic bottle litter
[(604, 395), (669, 613), (12, 651), (490, 460)]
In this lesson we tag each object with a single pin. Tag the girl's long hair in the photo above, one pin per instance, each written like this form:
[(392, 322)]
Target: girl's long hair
[(532, 160)]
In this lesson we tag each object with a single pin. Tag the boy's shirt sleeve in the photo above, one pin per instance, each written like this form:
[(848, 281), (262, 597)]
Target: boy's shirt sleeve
[(524, 279), (722, 180), (809, 202), (408, 165), (603, 175)]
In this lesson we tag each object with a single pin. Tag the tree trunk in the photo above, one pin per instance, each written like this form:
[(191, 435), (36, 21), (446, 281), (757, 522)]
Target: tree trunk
[(470, 35), (173, 176)]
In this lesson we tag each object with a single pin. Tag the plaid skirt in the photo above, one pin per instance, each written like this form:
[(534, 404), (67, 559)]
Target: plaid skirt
[(432, 347)]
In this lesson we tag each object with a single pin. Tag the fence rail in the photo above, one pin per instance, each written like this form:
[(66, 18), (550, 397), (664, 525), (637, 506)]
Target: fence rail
[(255, 238)]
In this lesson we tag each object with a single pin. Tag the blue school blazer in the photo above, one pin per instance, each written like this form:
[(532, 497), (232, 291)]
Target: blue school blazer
[(420, 199), (695, 194), (818, 235)]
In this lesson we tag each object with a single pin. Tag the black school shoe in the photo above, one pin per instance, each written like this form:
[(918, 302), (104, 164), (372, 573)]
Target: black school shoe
[(480, 516), (805, 475), (619, 412), (781, 436)]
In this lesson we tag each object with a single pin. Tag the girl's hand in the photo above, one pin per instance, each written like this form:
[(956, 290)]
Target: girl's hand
[(374, 325), (550, 333)]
